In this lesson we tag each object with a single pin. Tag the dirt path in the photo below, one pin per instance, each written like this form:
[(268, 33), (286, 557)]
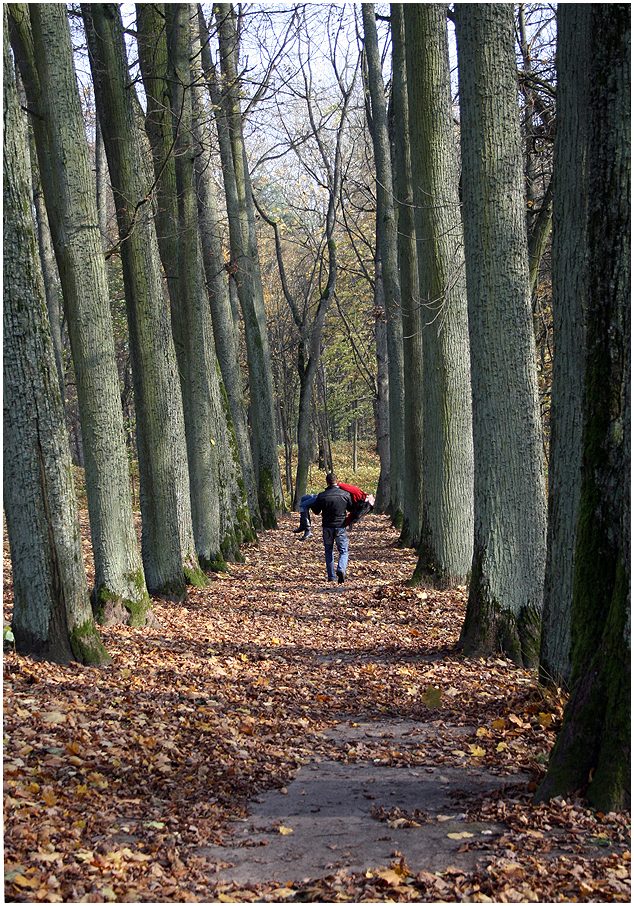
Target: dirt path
[(328, 721)]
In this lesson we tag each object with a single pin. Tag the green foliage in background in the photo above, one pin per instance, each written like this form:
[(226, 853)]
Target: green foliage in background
[(366, 477)]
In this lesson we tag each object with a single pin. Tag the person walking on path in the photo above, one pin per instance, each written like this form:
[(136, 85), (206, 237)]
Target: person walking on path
[(333, 504)]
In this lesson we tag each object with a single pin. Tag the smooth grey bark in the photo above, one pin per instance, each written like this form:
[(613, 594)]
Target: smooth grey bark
[(592, 755), (168, 548), (411, 311), (446, 544), (506, 588), (50, 274), (44, 52), (386, 241), (217, 278), (219, 514), (570, 302), (52, 617), (245, 260)]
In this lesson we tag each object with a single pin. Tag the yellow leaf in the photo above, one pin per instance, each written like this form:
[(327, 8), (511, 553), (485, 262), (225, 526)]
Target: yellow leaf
[(482, 731), (460, 835), (389, 875), (81, 790), (459, 753), (84, 855), (285, 831), (21, 881), (98, 780), (432, 697), (49, 797), (501, 747), (477, 751), (276, 641), (545, 719), (498, 724)]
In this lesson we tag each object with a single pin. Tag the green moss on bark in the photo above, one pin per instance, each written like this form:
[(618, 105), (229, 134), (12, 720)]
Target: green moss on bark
[(217, 565), (195, 576), (87, 646), (491, 628), (136, 608), (266, 499)]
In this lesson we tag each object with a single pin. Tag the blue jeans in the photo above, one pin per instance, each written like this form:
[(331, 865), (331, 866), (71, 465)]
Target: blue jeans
[(337, 536)]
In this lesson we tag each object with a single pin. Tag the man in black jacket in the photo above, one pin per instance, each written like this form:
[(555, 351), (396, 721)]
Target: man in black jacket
[(333, 504)]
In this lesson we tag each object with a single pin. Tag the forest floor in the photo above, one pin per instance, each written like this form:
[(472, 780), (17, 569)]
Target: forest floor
[(276, 738)]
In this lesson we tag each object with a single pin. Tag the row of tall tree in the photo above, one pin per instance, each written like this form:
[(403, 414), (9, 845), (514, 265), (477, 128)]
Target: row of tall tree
[(450, 244), (468, 400)]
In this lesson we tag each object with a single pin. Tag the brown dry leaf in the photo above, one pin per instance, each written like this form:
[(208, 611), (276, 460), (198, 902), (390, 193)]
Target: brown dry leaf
[(389, 876), (212, 706)]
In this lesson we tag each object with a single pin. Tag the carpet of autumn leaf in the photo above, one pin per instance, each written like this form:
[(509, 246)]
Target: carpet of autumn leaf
[(116, 778)]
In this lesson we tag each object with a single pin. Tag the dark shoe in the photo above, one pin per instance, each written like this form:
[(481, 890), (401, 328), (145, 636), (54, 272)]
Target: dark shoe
[(307, 536), (341, 576), (296, 531)]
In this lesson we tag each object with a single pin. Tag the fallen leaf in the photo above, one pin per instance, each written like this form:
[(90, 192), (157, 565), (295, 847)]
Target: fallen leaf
[(54, 717), (390, 876)]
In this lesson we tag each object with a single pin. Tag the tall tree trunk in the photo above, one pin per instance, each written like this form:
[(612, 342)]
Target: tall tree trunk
[(381, 402), (447, 525), (570, 301), (217, 504), (52, 287), (217, 282), (52, 617), (168, 548), (44, 54), (153, 61), (386, 241), (249, 282), (218, 513), (592, 753), (506, 590), (411, 311), (101, 183)]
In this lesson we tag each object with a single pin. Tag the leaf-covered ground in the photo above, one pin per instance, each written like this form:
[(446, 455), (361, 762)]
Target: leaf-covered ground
[(116, 778)]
